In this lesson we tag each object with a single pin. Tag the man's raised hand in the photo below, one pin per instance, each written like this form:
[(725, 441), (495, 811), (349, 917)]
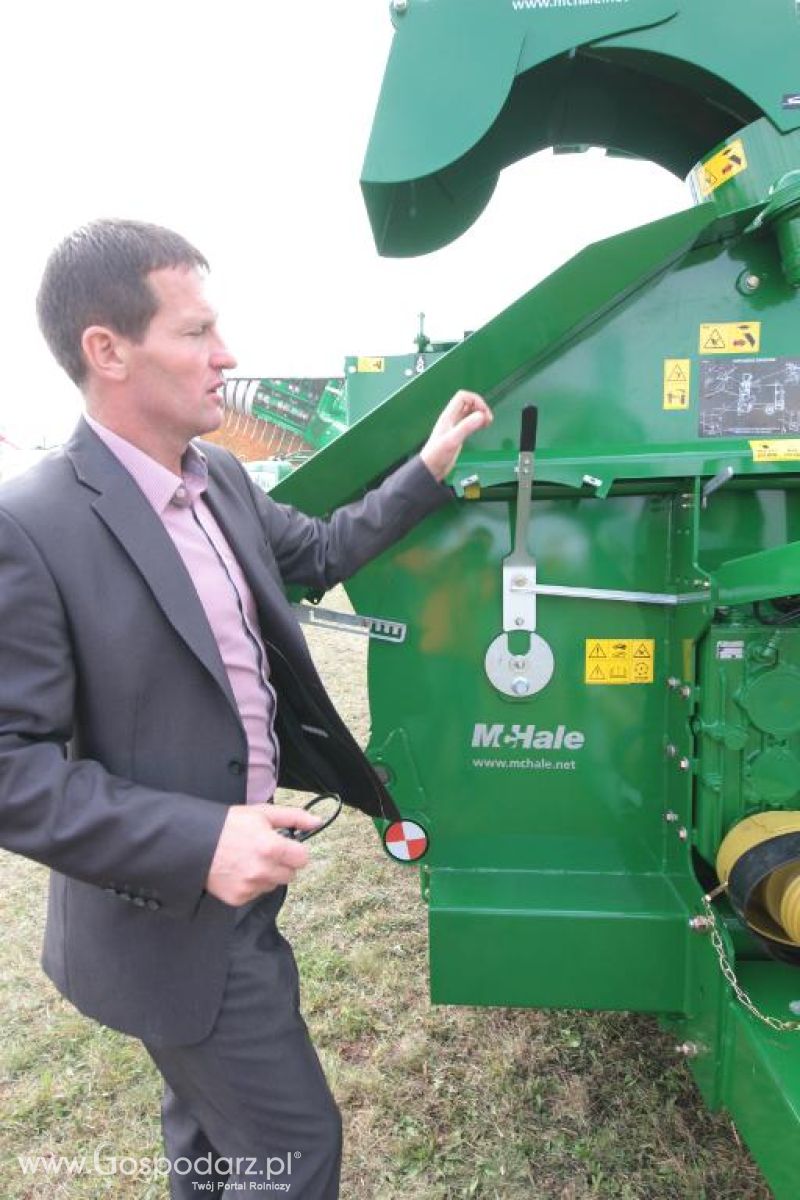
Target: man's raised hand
[(464, 415)]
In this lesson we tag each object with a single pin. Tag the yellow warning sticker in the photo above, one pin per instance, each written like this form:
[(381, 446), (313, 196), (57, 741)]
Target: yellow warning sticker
[(727, 164), (742, 337), (677, 383), (620, 660), (782, 450), (371, 365)]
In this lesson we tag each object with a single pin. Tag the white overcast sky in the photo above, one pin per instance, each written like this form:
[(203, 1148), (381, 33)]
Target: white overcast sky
[(243, 124)]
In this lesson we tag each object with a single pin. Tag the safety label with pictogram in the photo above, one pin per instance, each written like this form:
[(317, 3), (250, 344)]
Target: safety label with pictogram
[(730, 337), (370, 365), (727, 164), (677, 383), (620, 660), (780, 450), (406, 841)]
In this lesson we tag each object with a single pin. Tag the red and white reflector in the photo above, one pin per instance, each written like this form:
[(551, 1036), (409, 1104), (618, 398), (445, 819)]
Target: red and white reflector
[(406, 841)]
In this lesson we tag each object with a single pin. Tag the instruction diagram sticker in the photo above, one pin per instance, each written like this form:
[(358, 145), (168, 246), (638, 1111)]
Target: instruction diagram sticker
[(749, 397), (724, 166), (370, 365), (783, 451), (406, 841), (677, 383), (741, 337), (620, 660)]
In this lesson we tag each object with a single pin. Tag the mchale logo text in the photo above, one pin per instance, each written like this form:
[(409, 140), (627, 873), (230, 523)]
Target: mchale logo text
[(526, 737)]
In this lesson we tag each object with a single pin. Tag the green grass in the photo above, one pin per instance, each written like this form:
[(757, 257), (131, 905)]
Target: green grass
[(438, 1103)]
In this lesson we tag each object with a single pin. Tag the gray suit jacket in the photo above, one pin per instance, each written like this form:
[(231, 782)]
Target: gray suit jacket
[(120, 742)]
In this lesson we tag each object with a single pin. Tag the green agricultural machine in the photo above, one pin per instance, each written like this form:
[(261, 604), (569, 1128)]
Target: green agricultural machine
[(313, 409), (585, 672), (320, 410)]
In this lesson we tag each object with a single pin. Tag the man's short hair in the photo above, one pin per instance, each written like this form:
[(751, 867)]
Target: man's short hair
[(98, 276)]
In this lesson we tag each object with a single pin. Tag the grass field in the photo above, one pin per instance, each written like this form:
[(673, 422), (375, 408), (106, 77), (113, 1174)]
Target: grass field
[(437, 1103)]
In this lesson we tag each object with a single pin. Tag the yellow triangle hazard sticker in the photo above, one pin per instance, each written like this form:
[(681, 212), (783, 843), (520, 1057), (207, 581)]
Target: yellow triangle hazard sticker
[(714, 341)]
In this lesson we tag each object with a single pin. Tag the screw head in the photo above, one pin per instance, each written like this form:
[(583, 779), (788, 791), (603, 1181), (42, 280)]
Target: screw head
[(684, 764), (520, 686), (399, 6), (673, 682), (670, 750), (683, 833), (670, 817)]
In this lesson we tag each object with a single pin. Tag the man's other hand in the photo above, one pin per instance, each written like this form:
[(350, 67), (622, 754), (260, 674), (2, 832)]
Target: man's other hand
[(466, 413), (251, 858)]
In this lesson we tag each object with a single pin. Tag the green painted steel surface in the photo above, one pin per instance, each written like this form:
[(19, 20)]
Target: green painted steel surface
[(575, 933), (748, 733), (660, 79), (531, 330), (573, 830)]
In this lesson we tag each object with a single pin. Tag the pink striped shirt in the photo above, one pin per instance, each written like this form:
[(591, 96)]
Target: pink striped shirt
[(222, 589)]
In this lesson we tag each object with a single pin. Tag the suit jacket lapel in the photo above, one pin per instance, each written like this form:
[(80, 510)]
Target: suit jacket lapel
[(234, 516), (130, 518)]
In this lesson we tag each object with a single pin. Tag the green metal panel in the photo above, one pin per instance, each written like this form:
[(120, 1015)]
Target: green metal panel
[(563, 939), (757, 1071), (535, 327), (749, 731), (659, 79)]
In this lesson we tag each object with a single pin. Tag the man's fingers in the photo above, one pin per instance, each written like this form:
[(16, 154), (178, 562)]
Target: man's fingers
[(465, 413), (470, 424), (464, 402), (287, 853), (281, 816)]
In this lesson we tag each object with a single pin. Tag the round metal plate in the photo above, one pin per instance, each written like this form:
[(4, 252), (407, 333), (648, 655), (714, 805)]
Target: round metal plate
[(519, 675)]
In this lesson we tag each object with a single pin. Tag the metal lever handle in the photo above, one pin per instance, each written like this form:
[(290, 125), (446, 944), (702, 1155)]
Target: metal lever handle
[(527, 434), (527, 445)]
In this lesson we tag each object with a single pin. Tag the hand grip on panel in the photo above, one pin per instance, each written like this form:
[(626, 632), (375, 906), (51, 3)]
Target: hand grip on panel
[(527, 435)]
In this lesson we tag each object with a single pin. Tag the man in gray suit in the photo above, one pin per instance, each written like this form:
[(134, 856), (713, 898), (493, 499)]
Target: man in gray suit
[(155, 688)]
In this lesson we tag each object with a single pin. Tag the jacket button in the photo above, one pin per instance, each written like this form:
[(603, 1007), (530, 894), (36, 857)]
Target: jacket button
[(235, 767), (153, 905)]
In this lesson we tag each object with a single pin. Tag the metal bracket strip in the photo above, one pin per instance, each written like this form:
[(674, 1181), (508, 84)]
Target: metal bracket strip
[(375, 627), (578, 593)]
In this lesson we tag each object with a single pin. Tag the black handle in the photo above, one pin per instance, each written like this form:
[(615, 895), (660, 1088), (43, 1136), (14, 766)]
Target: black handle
[(527, 435)]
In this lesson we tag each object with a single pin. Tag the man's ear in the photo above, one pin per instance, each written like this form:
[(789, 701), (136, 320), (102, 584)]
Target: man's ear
[(105, 352)]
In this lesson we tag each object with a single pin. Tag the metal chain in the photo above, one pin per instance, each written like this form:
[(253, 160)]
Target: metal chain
[(730, 974)]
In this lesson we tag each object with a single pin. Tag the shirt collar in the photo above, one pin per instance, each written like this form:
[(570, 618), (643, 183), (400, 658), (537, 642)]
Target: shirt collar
[(161, 487)]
